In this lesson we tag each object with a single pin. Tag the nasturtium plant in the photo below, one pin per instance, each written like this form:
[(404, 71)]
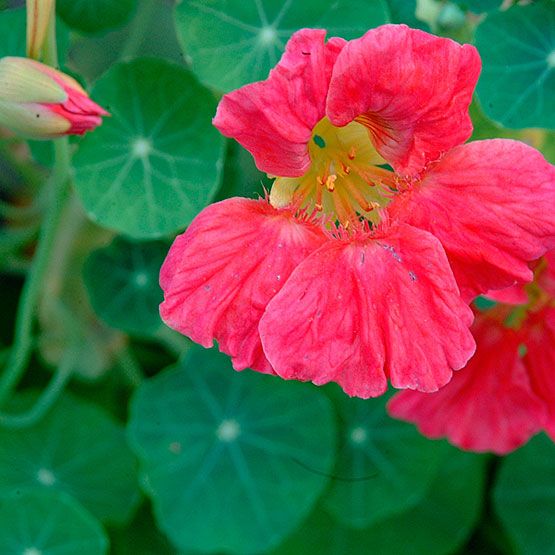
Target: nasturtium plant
[(248, 452), (48, 522), (383, 467), (157, 161), (249, 37), (517, 85), (524, 497), (94, 16), (77, 448), (122, 282), (345, 212)]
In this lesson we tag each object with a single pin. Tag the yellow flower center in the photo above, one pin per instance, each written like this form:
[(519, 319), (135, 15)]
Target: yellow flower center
[(344, 180)]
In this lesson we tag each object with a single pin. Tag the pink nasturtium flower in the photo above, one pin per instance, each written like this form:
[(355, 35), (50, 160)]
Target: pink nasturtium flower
[(506, 393), (37, 101), (380, 225)]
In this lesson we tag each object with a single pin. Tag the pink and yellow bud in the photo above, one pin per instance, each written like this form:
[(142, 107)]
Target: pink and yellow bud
[(39, 15), (37, 101)]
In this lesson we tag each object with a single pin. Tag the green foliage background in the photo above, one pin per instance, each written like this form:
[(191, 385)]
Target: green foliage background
[(150, 445)]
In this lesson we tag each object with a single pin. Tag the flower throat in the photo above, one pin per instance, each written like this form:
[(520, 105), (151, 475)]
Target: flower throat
[(344, 180)]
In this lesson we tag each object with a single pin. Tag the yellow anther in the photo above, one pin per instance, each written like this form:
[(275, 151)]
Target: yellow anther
[(330, 182)]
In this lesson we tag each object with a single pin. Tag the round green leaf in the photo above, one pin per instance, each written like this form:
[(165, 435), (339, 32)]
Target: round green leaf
[(39, 522), (122, 283), (231, 461), (384, 465), (524, 496), (232, 42), (77, 448), (93, 16), (438, 525), (517, 85), (151, 167)]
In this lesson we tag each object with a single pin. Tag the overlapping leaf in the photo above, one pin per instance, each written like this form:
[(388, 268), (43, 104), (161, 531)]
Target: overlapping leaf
[(77, 449), (437, 525), (384, 465), (39, 522), (122, 282), (151, 167), (94, 16), (232, 42), (231, 461), (517, 85)]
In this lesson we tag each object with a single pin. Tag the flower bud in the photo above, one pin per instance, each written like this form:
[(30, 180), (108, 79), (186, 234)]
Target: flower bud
[(39, 13), (37, 101)]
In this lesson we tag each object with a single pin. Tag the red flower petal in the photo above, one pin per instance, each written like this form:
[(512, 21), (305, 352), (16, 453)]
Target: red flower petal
[(359, 311), (220, 274), (488, 406), (516, 294), (412, 89), (540, 360), (274, 119), (491, 204)]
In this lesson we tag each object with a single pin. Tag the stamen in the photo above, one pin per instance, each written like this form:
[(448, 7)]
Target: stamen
[(346, 169), (357, 195), (330, 182)]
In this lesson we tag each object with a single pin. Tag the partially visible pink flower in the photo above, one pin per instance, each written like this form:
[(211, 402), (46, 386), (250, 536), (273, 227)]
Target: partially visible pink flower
[(37, 101), (378, 299), (506, 393)]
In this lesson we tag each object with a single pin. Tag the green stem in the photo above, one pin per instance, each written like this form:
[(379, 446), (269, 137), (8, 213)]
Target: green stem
[(138, 28), (21, 349), (50, 47), (46, 400)]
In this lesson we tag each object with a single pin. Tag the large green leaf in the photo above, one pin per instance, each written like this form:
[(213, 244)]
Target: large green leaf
[(151, 167), (439, 524), (517, 85), (39, 522), (524, 497), (384, 465), (231, 461), (77, 448), (122, 282), (233, 42), (93, 16)]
